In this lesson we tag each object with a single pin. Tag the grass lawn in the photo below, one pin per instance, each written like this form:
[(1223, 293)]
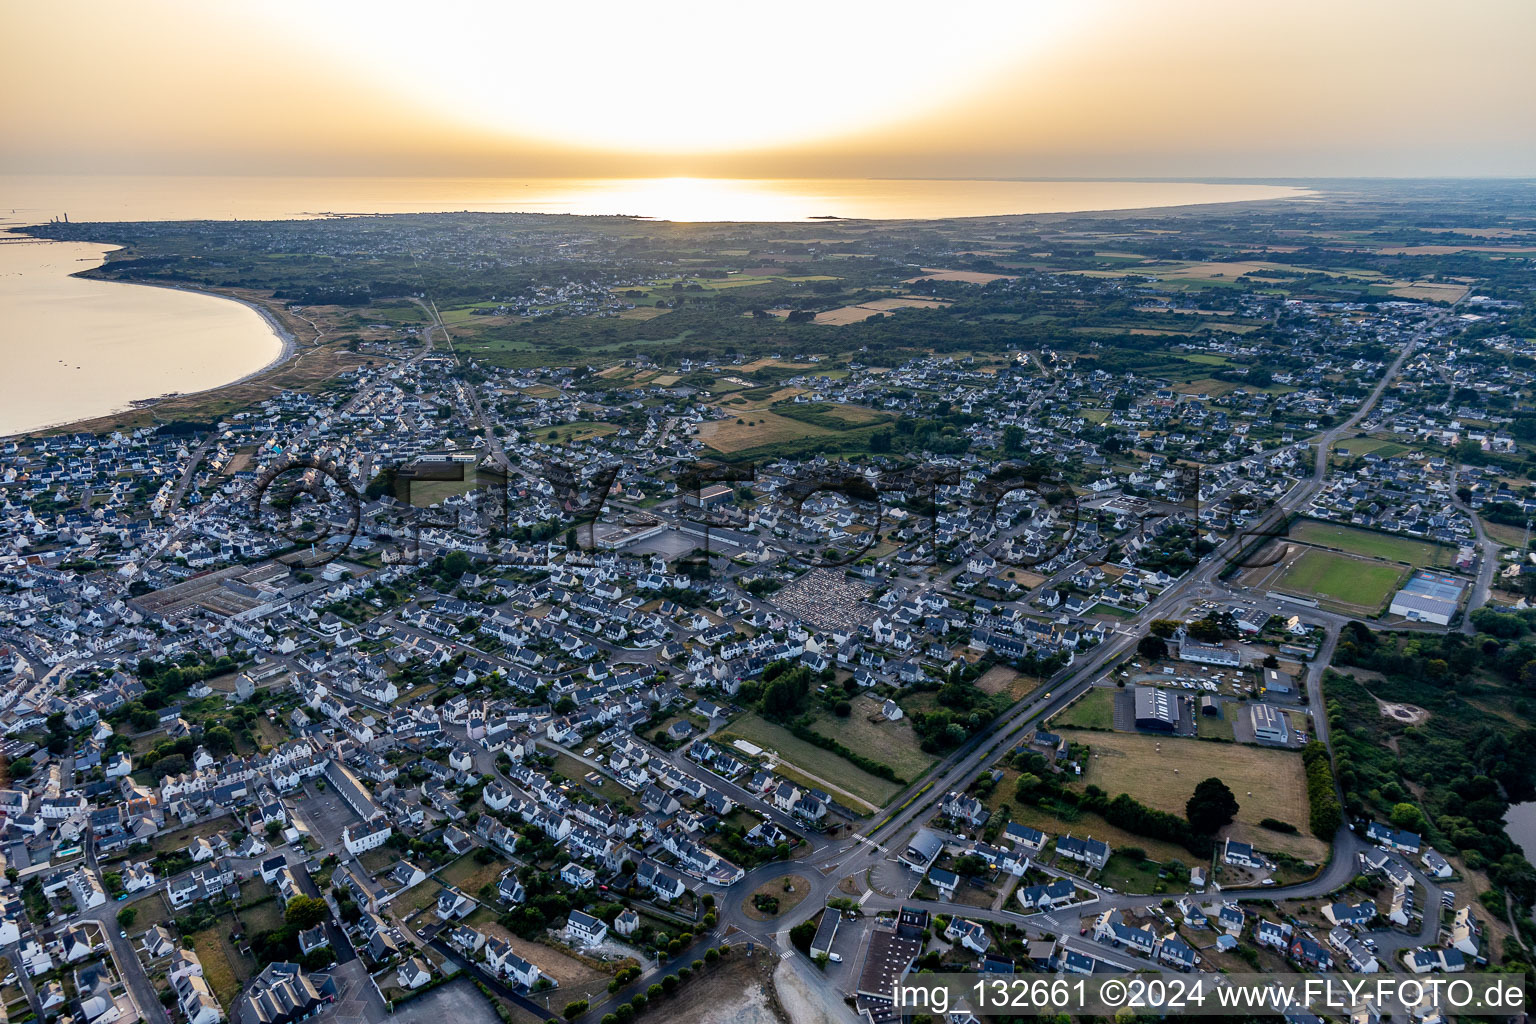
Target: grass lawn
[(1125, 874), (1353, 581), (775, 887), (1369, 543), (1214, 728), (867, 730), (1094, 710), (825, 769), (1357, 446), (1162, 772), (565, 433), (152, 910), (469, 876), (263, 917), (577, 773)]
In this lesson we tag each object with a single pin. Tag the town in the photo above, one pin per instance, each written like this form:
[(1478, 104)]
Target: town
[(660, 615)]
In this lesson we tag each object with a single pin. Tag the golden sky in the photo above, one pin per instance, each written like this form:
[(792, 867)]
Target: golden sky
[(1022, 88)]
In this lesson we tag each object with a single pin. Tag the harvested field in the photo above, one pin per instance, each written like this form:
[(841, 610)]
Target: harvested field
[(1430, 291), (1162, 772), (756, 428), (967, 276)]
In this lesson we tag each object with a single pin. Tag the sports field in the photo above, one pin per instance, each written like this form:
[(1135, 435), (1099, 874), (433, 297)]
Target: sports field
[(1361, 583), (1369, 543)]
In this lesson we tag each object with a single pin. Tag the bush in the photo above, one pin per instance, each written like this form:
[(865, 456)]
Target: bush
[(574, 1009), (1275, 825), (842, 709)]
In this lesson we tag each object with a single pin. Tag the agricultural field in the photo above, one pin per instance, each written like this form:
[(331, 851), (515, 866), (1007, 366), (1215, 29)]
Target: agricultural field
[(867, 731), (967, 276), (756, 428), (1162, 772), (1369, 543), (1359, 583), (845, 781)]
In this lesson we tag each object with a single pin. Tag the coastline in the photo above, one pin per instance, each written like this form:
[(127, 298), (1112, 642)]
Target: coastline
[(288, 345), (288, 348)]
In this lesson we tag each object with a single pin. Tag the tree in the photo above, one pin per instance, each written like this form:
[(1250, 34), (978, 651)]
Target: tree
[(1211, 806), (800, 936), (456, 564), (127, 916), (1151, 646), (1407, 816), (1164, 627), (218, 741), (305, 911)]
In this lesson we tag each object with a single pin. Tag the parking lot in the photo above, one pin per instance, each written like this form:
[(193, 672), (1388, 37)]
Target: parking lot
[(325, 812)]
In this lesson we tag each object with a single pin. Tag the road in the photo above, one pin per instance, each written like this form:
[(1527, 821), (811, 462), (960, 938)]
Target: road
[(915, 803)]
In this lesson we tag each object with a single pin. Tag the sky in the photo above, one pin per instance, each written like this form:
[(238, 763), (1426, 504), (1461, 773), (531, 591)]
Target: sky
[(1021, 88)]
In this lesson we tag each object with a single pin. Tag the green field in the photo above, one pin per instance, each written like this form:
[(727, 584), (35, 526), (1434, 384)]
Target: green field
[(1358, 446), (1343, 578), (822, 768), (1369, 543), (1094, 710), (565, 433), (868, 732)]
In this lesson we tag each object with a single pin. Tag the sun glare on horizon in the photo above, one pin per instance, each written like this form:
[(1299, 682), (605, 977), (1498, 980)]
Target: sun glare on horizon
[(697, 79)]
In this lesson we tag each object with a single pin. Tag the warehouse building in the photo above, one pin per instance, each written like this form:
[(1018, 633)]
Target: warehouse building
[(1269, 724), (1157, 710)]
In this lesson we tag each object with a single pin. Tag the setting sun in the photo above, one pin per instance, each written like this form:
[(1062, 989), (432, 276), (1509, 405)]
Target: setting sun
[(695, 78)]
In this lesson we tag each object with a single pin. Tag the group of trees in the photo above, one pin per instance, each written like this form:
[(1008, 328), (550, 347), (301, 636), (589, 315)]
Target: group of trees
[(1325, 815)]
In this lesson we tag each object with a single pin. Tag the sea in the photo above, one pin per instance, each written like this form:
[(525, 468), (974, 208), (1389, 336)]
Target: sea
[(76, 348)]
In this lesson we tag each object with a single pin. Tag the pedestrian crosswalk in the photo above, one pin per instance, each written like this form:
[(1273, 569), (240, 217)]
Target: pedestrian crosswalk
[(868, 841), (786, 954), (865, 898)]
